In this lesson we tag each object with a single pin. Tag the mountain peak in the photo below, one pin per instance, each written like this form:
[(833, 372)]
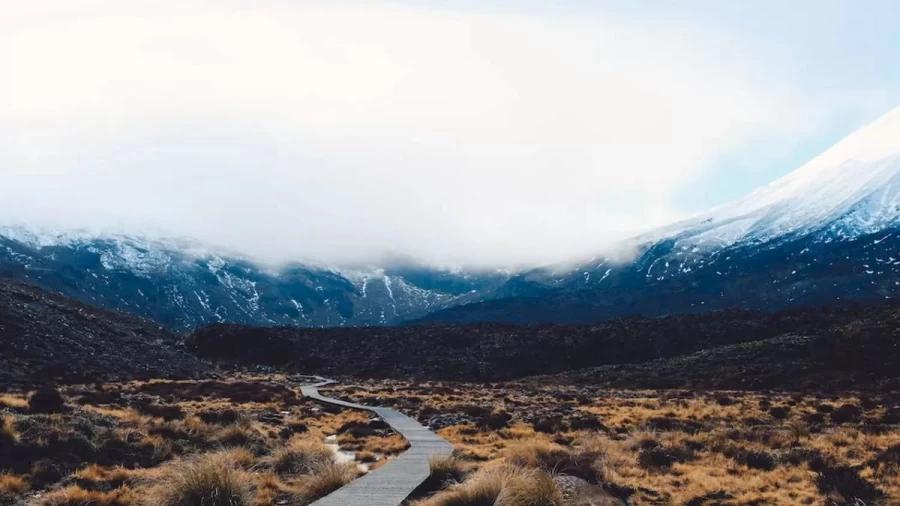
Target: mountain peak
[(850, 189)]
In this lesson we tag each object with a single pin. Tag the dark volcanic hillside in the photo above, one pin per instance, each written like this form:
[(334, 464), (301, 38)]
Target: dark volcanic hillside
[(48, 337), (667, 278), (498, 352)]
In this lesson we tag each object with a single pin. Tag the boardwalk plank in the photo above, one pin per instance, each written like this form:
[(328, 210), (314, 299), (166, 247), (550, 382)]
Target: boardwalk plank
[(390, 484)]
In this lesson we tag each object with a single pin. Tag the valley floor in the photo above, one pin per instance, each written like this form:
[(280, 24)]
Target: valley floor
[(255, 440), (243, 439)]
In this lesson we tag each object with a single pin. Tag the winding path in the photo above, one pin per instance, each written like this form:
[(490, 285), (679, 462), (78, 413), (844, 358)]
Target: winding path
[(391, 483)]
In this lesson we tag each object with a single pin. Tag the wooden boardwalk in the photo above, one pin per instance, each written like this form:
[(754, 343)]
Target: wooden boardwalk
[(391, 483)]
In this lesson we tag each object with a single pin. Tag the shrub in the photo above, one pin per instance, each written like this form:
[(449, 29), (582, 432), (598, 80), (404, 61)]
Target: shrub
[(167, 412), (847, 482), (46, 400), (655, 458), (888, 461), (725, 400), (814, 418), (209, 480), (586, 422), (780, 412), (891, 415), (219, 416), (846, 413), (496, 420), (755, 459), (549, 425), (44, 472)]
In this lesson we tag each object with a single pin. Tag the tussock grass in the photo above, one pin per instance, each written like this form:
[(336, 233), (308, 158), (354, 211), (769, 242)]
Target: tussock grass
[(327, 478), (300, 456), (553, 458), (8, 435), (449, 468), (13, 401), (502, 485), (114, 476), (212, 479), (77, 496), (12, 485)]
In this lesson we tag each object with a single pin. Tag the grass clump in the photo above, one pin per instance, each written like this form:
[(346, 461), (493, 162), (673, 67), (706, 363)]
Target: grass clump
[(301, 456), (326, 478), (212, 479), (12, 485), (503, 485), (450, 468), (76, 496), (8, 435), (555, 459)]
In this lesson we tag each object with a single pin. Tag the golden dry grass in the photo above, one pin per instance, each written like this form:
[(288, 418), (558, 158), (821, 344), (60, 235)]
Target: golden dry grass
[(213, 479), (76, 496), (449, 468), (327, 478), (13, 401), (500, 485), (675, 447), (12, 485), (146, 452), (300, 456), (649, 447), (8, 435)]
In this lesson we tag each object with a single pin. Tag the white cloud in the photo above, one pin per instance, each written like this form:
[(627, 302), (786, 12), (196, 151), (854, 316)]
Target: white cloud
[(311, 130)]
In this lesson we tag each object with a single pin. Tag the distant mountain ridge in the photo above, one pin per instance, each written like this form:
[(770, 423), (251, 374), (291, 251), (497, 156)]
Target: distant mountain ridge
[(183, 286)]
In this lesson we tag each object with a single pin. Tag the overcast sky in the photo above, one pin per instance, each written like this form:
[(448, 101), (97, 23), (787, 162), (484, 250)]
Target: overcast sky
[(457, 132)]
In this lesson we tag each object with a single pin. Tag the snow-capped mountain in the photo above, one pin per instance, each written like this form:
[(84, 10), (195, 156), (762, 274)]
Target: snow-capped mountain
[(183, 285), (828, 231)]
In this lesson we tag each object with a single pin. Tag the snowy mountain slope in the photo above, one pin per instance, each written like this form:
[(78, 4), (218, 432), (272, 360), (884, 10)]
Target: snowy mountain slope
[(853, 188), (183, 285), (828, 231)]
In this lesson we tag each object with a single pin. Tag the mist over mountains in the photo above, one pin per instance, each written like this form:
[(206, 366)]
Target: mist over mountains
[(829, 231)]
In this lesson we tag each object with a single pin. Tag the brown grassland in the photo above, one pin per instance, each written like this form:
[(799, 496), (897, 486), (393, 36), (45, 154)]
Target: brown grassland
[(253, 439), (238, 441), (652, 447)]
